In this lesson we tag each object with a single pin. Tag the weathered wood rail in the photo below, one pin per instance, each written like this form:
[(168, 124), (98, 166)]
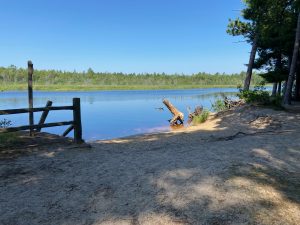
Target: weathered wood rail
[(75, 124)]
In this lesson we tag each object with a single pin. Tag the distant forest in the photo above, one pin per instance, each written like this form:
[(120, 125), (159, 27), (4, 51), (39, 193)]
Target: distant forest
[(16, 78)]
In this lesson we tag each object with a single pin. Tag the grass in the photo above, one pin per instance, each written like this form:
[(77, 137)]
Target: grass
[(8, 139), (219, 105), (12, 87), (201, 118)]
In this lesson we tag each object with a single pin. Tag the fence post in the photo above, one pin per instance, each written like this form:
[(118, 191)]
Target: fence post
[(30, 97), (77, 121)]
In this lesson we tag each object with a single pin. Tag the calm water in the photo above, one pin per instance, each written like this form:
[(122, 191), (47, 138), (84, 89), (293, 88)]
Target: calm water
[(110, 114)]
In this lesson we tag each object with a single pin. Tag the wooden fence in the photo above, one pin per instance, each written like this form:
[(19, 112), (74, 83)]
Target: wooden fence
[(75, 124)]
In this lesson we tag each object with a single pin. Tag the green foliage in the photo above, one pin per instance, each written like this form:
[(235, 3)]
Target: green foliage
[(237, 27), (219, 105), (271, 25), (8, 139), (201, 118), (275, 76), (276, 102), (259, 95), (13, 78)]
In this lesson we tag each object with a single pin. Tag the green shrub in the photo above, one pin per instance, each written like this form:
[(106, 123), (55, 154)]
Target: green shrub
[(257, 95), (219, 105), (201, 118), (276, 101), (8, 138), (261, 96)]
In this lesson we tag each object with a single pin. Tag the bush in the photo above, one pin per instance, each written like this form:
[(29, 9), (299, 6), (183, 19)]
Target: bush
[(260, 96), (276, 101), (219, 105), (6, 138), (201, 118), (257, 95)]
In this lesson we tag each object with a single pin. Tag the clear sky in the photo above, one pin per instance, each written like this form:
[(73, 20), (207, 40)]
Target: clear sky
[(183, 36)]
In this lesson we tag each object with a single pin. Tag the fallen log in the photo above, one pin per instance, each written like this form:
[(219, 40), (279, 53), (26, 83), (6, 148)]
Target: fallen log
[(177, 115), (232, 103)]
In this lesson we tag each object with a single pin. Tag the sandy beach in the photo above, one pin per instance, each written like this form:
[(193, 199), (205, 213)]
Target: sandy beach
[(242, 166)]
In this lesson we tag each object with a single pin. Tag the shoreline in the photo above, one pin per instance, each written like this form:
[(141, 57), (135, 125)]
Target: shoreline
[(70, 88), (109, 88), (240, 165), (207, 125)]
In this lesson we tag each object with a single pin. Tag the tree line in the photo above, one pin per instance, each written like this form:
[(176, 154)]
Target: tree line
[(272, 27), (12, 75)]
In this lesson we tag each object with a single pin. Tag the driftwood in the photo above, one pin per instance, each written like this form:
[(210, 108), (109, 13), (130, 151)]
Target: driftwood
[(232, 103), (198, 110), (177, 115)]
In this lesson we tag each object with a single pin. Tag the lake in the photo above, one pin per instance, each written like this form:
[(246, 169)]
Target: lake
[(112, 114)]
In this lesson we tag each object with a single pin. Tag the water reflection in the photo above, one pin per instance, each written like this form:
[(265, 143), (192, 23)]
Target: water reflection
[(110, 114), (176, 127)]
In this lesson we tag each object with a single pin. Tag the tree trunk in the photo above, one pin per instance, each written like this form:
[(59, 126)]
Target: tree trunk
[(286, 80), (177, 115), (297, 90), (278, 68), (250, 65), (279, 88), (289, 85), (274, 90)]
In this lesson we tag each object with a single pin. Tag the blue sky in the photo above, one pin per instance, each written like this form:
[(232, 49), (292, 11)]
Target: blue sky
[(172, 36)]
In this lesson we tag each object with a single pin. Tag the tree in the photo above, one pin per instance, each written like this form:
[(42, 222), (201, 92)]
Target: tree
[(289, 85), (253, 15), (269, 26), (237, 28)]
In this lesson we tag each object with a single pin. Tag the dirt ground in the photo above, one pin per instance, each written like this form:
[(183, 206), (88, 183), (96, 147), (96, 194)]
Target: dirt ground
[(240, 167)]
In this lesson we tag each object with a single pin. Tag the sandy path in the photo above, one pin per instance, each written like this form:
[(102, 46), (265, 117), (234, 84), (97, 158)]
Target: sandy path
[(240, 168)]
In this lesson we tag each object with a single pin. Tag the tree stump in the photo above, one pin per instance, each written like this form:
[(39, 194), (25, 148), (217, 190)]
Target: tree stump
[(177, 115)]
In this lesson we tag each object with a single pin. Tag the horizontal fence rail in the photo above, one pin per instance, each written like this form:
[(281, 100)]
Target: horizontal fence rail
[(75, 124), (41, 109), (27, 127)]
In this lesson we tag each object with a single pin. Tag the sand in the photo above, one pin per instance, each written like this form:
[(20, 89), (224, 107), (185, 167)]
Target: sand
[(240, 167)]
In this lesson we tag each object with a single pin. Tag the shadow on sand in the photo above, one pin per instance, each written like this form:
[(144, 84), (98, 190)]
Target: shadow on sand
[(244, 170)]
